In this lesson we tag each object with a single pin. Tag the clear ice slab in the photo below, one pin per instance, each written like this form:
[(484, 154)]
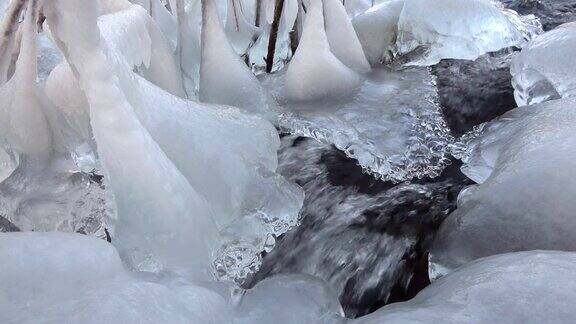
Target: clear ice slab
[(392, 125)]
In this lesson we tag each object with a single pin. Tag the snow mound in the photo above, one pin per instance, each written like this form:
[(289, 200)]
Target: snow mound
[(393, 126), (58, 277), (524, 162), (545, 69)]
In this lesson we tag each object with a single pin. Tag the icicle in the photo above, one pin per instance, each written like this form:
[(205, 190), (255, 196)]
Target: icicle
[(241, 34), (26, 130), (138, 38), (8, 29), (314, 71), (224, 78), (343, 40)]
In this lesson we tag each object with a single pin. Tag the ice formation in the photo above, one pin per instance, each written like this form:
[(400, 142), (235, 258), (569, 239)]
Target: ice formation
[(314, 71), (342, 38), (41, 188), (223, 210), (524, 162), (377, 29), (545, 68), (240, 87), (534, 286), (393, 126), (429, 31), (258, 52)]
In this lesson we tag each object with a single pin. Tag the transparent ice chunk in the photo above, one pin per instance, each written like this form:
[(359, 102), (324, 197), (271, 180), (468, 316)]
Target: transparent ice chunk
[(544, 70), (429, 31), (393, 126)]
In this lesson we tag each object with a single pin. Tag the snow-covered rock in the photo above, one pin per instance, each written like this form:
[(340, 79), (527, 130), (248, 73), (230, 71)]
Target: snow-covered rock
[(58, 277), (545, 68)]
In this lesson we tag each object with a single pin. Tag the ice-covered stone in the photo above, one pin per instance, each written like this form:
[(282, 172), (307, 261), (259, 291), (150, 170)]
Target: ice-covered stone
[(377, 29), (429, 31), (521, 287), (544, 70), (524, 161), (393, 126)]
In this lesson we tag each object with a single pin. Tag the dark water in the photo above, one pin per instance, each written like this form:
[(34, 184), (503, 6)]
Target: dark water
[(367, 238)]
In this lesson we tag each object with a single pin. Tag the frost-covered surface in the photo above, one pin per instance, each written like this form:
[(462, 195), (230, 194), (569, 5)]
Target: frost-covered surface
[(524, 287), (429, 31), (392, 126), (524, 162), (545, 68)]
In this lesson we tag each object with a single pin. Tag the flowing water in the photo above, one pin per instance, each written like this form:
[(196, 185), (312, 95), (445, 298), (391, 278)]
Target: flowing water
[(368, 238)]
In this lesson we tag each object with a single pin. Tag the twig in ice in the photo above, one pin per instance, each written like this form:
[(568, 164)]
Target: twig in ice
[(274, 35)]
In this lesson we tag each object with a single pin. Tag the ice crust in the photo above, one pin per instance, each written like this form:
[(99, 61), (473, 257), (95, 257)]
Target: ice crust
[(544, 69), (524, 164), (429, 31), (392, 126)]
